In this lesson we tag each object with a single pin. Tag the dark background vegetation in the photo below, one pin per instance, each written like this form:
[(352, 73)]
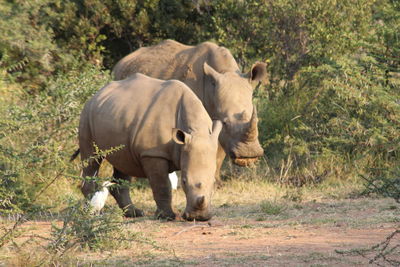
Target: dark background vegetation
[(329, 108)]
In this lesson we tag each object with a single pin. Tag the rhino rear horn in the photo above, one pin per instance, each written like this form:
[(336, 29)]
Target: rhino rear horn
[(216, 128), (210, 72)]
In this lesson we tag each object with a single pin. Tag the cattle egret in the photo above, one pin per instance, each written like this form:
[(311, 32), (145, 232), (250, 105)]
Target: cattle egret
[(173, 178), (99, 198)]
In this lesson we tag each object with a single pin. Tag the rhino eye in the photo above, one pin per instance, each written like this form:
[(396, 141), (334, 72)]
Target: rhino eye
[(241, 116), (198, 185), (184, 181)]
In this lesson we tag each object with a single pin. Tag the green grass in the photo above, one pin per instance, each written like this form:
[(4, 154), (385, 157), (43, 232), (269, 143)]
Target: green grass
[(271, 207)]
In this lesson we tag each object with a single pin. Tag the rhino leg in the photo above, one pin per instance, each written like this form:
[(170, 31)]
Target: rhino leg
[(156, 170), (89, 187), (220, 159), (121, 195)]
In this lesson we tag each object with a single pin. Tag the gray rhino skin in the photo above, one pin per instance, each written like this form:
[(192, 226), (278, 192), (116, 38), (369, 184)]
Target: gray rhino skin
[(163, 127), (214, 76)]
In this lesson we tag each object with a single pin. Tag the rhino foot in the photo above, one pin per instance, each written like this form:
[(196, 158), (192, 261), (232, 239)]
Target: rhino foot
[(164, 215), (132, 212)]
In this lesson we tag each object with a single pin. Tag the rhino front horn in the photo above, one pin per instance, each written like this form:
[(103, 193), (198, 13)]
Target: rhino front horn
[(200, 201), (252, 133)]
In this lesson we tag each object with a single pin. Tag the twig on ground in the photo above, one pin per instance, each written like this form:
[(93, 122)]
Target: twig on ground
[(189, 228)]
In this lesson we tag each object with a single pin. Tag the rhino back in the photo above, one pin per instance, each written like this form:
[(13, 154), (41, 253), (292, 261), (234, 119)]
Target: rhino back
[(173, 60), (139, 113), (154, 61)]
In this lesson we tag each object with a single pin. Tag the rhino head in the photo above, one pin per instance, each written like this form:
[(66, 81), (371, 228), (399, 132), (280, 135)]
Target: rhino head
[(229, 99), (198, 164)]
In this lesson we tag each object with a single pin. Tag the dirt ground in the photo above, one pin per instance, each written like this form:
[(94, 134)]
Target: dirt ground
[(310, 234)]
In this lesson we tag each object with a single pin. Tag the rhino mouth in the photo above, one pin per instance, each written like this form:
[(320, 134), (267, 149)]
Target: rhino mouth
[(245, 162)]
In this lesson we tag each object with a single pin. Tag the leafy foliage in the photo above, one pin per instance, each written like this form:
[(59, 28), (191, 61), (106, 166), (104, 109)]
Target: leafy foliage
[(38, 133), (81, 228)]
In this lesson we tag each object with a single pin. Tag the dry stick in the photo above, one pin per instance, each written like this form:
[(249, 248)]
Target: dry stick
[(47, 186), (189, 228)]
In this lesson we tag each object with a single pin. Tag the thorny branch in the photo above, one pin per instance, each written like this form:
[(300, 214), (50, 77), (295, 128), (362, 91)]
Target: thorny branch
[(384, 251)]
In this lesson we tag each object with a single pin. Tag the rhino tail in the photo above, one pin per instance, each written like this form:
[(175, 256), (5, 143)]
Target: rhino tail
[(76, 153)]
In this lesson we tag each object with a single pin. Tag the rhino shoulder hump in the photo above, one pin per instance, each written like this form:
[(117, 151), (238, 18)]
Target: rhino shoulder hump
[(176, 86), (170, 42), (209, 45)]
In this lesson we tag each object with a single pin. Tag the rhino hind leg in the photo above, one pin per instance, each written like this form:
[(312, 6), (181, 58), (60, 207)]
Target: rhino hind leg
[(89, 187), (121, 195), (156, 170)]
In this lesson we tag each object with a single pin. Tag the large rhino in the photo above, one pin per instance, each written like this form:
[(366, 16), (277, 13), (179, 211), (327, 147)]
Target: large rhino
[(214, 76), (163, 127)]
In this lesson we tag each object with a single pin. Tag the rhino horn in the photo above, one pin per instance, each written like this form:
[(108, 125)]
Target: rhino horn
[(216, 128), (252, 133)]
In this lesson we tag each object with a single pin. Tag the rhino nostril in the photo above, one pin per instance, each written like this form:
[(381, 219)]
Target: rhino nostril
[(200, 201)]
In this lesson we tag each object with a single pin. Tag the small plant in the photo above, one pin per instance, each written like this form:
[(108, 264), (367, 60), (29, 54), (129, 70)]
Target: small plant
[(294, 194), (271, 207), (82, 229)]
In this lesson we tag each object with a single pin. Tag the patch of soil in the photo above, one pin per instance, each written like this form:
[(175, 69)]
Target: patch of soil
[(256, 244), (227, 241)]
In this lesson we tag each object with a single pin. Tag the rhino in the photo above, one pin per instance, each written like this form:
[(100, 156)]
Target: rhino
[(214, 76), (162, 127)]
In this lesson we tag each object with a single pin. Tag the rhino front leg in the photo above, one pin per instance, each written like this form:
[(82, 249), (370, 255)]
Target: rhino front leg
[(121, 195), (156, 170), (220, 159)]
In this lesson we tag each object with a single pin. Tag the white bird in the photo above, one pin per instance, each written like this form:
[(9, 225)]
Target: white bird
[(99, 198), (173, 178)]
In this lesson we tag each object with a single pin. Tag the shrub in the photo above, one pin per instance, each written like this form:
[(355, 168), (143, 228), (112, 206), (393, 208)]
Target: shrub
[(38, 134), (80, 228)]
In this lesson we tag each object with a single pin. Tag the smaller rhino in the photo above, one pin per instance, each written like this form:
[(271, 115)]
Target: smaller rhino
[(163, 127)]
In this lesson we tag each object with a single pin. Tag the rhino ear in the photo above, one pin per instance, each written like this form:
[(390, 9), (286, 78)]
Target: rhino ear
[(180, 137), (210, 72), (258, 72)]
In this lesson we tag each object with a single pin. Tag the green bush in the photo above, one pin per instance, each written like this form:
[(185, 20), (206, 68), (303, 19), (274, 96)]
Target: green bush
[(38, 134), (336, 115), (80, 228)]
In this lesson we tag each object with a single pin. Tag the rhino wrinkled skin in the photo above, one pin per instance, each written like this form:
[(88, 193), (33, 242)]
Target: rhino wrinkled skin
[(163, 127), (214, 76)]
